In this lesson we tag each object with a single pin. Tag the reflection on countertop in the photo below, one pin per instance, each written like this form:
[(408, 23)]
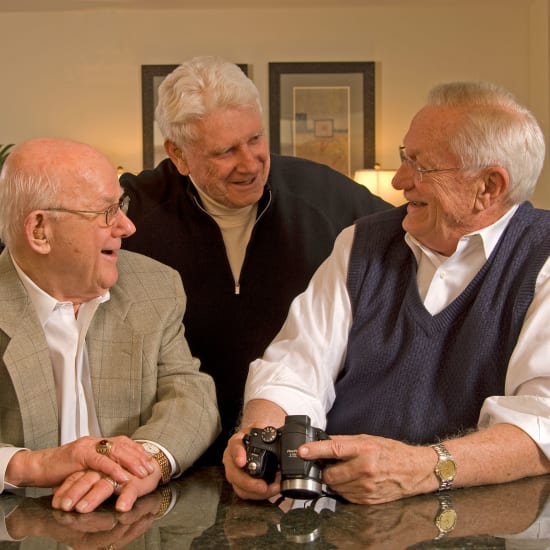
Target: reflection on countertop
[(200, 511)]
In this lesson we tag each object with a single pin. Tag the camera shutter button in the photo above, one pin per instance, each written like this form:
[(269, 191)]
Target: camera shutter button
[(269, 434)]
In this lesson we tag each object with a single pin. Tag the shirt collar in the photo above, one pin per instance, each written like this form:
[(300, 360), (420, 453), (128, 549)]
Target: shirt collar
[(43, 303), (486, 237)]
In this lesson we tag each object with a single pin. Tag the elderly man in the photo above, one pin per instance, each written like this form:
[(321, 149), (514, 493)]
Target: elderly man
[(99, 393), (245, 229), (427, 331)]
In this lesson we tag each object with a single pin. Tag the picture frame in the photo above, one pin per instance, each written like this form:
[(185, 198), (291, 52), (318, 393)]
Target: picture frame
[(324, 111), (153, 141)]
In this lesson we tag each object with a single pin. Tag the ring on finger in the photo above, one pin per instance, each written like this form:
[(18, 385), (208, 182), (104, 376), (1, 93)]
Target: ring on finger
[(103, 447), (116, 485)]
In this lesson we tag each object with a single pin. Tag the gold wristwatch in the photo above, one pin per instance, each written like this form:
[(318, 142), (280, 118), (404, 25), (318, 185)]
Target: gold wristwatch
[(445, 469), (160, 457), (445, 520), (165, 501)]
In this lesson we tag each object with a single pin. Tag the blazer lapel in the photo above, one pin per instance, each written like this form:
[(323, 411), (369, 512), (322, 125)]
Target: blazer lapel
[(29, 385), (115, 352)]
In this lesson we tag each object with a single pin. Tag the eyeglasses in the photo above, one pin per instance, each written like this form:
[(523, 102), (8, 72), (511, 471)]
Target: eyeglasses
[(421, 171), (110, 213)]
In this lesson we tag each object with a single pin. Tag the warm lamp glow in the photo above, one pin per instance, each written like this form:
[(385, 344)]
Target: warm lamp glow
[(378, 181)]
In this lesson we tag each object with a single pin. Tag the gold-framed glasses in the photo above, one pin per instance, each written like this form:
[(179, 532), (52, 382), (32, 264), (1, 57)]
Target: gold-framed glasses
[(110, 213)]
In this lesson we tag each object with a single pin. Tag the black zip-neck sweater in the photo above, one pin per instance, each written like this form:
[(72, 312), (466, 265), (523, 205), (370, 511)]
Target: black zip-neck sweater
[(304, 207)]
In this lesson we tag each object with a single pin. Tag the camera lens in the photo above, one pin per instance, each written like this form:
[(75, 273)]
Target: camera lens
[(304, 488)]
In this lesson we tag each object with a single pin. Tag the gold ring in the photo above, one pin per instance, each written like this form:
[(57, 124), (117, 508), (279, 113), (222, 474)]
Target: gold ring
[(116, 485), (103, 447)]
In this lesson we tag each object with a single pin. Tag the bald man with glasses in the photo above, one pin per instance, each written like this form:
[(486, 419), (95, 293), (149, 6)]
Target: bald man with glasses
[(99, 393)]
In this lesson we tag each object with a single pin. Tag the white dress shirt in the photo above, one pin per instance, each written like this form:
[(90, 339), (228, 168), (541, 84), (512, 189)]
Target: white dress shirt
[(66, 338), (299, 368)]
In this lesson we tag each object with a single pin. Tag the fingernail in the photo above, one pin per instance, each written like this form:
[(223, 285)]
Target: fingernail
[(304, 451), (122, 507), (82, 506), (66, 504)]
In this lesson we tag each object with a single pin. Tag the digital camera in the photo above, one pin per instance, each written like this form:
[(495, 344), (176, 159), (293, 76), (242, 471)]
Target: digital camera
[(268, 448)]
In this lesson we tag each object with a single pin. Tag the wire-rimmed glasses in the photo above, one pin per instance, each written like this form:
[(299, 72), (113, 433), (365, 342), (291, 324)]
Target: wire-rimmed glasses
[(421, 171), (110, 213)]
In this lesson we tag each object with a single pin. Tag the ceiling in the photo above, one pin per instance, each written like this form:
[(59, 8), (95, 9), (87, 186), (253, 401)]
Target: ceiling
[(85, 5)]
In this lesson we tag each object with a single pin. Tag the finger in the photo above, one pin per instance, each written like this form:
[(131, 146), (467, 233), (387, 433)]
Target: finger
[(96, 495), (128, 453), (127, 498), (248, 487), (74, 493), (338, 447), (86, 523)]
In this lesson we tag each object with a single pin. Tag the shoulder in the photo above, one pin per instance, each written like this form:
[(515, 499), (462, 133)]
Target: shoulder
[(141, 274), (385, 218), (321, 186), (151, 182), (286, 168)]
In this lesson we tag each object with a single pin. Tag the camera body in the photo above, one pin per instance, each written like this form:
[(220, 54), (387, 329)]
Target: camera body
[(269, 448)]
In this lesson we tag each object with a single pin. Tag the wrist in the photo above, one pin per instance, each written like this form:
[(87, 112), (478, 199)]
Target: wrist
[(445, 468), (162, 462), (19, 469)]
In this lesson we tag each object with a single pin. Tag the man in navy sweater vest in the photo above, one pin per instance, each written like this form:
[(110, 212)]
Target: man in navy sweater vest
[(427, 330)]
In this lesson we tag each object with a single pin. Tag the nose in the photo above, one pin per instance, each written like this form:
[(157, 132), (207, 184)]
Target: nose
[(404, 177), (123, 227), (246, 159)]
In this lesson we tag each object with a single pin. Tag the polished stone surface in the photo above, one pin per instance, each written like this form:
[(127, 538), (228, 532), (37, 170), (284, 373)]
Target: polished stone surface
[(204, 513)]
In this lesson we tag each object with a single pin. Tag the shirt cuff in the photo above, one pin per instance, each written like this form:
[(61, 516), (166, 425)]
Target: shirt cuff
[(6, 454), (530, 413)]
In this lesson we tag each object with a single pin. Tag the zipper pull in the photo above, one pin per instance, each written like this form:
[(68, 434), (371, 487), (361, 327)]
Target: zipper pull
[(237, 288)]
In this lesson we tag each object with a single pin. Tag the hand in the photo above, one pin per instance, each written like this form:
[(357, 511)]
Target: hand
[(99, 529), (246, 486), (85, 491), (372, 470), (51, 467)]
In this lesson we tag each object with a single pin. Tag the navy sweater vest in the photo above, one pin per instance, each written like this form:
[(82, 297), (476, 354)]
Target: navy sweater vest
[(415, 377)]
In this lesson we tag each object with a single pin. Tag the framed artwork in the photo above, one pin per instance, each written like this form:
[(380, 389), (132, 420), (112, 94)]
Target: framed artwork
[(323, 111), (153, 142)]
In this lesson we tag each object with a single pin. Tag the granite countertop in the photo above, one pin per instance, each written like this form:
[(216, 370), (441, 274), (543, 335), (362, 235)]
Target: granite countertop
[(200, 510)]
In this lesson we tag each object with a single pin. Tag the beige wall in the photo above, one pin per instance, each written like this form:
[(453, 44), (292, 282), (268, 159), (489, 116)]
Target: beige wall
[(77, 74)]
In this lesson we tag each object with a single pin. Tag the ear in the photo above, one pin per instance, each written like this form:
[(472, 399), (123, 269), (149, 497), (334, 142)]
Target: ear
[(37, 232), (176, 156), (493, 187)]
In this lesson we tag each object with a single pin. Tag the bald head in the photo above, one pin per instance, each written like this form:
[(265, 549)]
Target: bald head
[(60, 217), (41, 171)]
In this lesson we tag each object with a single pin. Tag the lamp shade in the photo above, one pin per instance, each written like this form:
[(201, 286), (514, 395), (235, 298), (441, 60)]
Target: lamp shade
[(378, 181)]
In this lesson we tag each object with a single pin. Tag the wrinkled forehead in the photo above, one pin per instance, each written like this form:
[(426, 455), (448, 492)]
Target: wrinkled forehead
[(432, 127)]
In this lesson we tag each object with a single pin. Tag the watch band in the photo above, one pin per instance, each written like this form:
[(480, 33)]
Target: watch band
[(446, 517), (162, 460), (165, 468), (445, 469), (165, 501)]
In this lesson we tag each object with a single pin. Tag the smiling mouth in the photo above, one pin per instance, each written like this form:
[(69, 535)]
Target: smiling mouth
[(246, 182), (417, 203)]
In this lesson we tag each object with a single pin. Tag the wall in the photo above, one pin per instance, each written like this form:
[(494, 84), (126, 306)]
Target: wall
[(77, 74)]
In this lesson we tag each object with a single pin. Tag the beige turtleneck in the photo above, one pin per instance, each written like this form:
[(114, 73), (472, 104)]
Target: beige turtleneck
[(236, 226)]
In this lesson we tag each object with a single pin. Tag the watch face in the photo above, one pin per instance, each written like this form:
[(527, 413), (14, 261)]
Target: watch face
[(446, 521), (447, 469), (150, 448)]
